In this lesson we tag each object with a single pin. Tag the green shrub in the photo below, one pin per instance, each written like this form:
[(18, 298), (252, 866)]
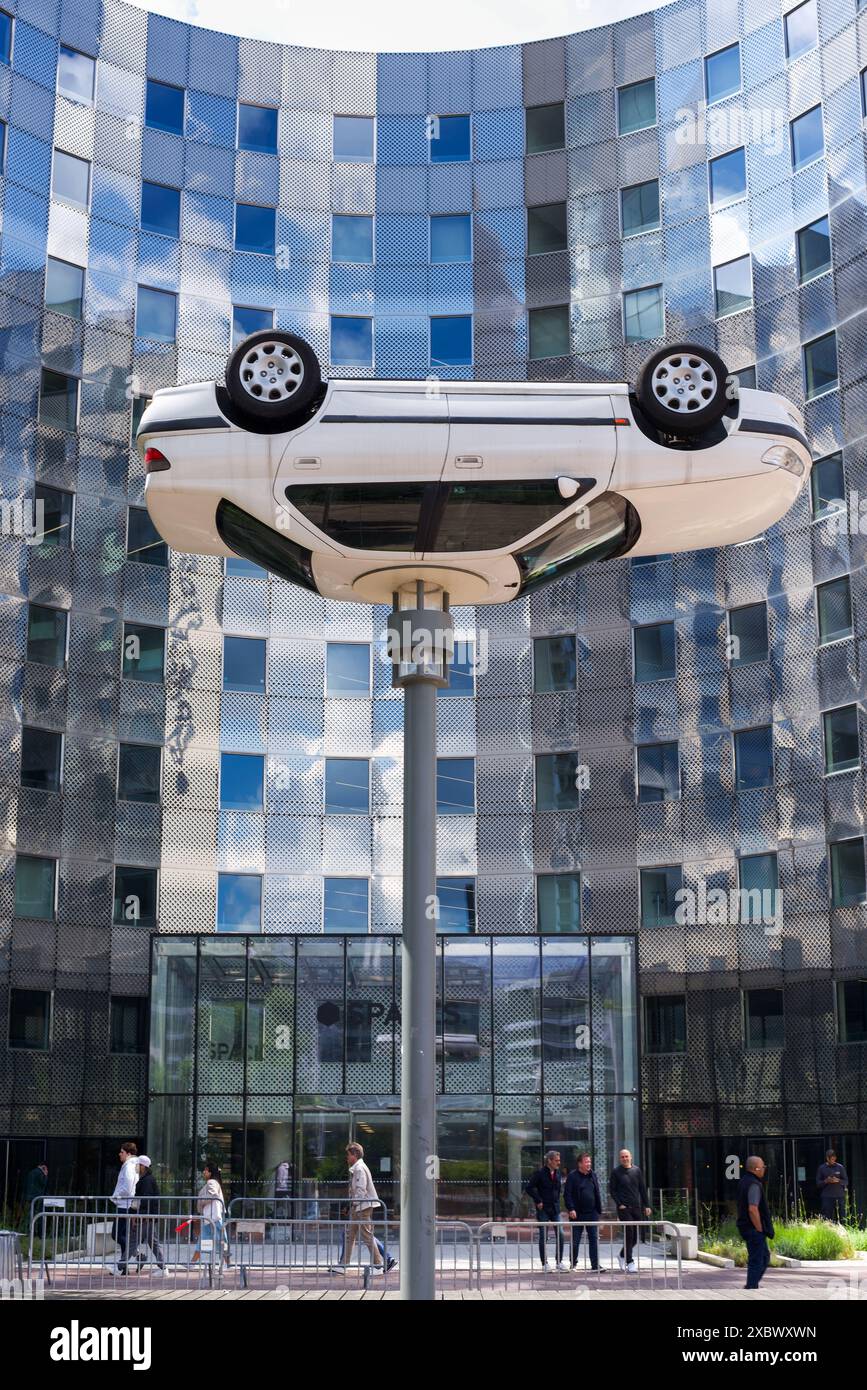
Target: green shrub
[(813, 1240)]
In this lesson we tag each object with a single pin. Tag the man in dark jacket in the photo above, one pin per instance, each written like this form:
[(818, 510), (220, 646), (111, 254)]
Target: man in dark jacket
[(147, 1226), (34, 1186), (583, 1201), (832, 1181), (754, 1219), (544, 1190), (629, 1195)]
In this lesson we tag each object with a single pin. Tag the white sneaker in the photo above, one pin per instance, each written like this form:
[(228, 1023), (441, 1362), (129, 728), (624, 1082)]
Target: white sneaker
[(621, 1261), (116, 1271), (337, 1269), (158, 1273), (560, 1264), (376, 1269), (630, 1268)]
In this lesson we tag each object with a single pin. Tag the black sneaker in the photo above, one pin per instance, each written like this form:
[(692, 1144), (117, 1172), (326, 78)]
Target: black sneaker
[(390, 1264)]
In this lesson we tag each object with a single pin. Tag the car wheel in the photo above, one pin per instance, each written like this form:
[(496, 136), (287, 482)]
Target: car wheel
[(683, 389), (272, 376)]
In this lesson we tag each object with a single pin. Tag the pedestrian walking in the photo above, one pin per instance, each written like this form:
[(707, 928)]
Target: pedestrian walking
[(754, 1219), (583, 1201), (832, 1181), (544, 1189), (147, 1220), (629, 1194), (124, 1200), (211, 1205), (35, 1185), (363, 1200)]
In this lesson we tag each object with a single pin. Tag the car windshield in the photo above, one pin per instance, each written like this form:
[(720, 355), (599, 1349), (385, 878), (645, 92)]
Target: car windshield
[(607, 527)]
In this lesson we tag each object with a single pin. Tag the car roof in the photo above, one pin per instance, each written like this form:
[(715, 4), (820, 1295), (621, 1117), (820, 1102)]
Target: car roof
[(436, 386)]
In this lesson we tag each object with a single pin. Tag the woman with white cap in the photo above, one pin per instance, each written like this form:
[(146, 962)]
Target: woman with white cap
[(147, 1226)]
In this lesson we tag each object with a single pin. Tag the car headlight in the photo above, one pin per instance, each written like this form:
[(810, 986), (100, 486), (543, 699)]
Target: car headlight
[(781, 456)]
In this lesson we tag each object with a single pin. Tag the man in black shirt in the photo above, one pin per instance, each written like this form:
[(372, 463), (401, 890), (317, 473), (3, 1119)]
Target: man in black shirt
[(544, 1190), (584, 1204), (754, 1220), (629, 1195), (832, 1181)]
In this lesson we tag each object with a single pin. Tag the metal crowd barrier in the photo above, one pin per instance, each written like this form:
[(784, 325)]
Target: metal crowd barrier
[(516, 1256)]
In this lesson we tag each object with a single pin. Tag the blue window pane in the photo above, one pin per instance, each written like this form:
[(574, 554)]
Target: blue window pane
[(75, 74), (451, 341), (255, 228), (457, 905), (2, 147), (733, 286), (143, 652), (814, 250), (754, 758), (156, 314), (347, 786), (558, 781), (70, 178), (351, 341), (244, 663), (456, 786), (808, 137), (160, 209), (640, 208), (802, 29), (46, 635), (450, 139), (346, 905), (58, 400), (728, 177), (549, 331), (545, 128), (347, 670), (143, 541), (53, 517), (34, 886), (828, 485), (554, 663), (746, 378), (135, 897), (461, 671), (246, 321), (353, 139), (655, 652), (164, 107), (643, 314), (239, 902), (723, 72), (820, 365), (451, 238), (834, 609), (352, 239), (659, 888), (257, 128), (242, 782), (658, 772), (64, 287), (5, 36), (244, 569), (759, 882), (558, 902), (848, 885), (636, 106), (842, 747)]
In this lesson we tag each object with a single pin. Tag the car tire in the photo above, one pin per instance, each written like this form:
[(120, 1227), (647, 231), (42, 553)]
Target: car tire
[(272, 376), (683, 389)]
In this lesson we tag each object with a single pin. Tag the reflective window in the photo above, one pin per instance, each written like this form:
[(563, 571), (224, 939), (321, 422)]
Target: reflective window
[(164, 107), (347, 786), (763, 1018), (58, 400), (639, 207), (754, 758), (138, 772), (655, 652), (722, 73), (808, 137), (560, 778), (347, 669), (549, 331), (728, 178), (257, 128), (156, 314), (658, 772), (451, 238), (143, 541), (160, 209), (54, 517), (255, 228), (802, 29), (759, 880), (244, 664), (70, 178), (636, 106), (346, 906), (353, 139), (555, 664), (457, 905), (748, 634), (30, 1019), (842, 749), (834, 609), (820, 365), (814, 250), (242, 782), (461, 670), (848, 887), (238, 568), (75, 74), (41, 758), (864, 90), (664, 1023), (128, 1025), (35, 880), (64, 287), (143, 652), (46, 635), (451, 341), (351, 341), (239, 902), (733, 286), (558, 902), (659, 888), (246, 320), (139, 406), (450, 139), (456, 786), (851, 1011), (746, 378), (643, 314), (546, 229), (545, 127), (352, 239), (828, 486), (5, 37)]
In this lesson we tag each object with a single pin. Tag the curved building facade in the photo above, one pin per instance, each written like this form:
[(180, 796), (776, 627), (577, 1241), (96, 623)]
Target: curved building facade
[(201, 768)]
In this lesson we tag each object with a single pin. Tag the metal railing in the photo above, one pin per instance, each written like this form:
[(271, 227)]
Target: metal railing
[(514, 1256)]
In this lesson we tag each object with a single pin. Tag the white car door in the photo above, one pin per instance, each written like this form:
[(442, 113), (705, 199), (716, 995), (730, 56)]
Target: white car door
[(376, 435), (498, 435)]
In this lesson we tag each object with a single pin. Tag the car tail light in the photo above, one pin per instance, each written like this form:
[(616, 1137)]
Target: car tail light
[(155, 462)]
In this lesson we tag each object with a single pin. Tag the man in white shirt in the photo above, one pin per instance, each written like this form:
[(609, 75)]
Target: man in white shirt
[(363, 1200), (124, 1199)]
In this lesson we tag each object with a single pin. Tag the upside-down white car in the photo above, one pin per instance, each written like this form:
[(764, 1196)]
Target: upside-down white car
[(357, 488)]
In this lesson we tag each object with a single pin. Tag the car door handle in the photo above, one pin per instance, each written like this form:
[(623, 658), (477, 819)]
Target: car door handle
[(308, 462), (469, 461)]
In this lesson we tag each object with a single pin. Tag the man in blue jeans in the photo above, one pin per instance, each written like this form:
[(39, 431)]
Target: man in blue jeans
[(754, 1219), (544, 1190), (583, 1201)]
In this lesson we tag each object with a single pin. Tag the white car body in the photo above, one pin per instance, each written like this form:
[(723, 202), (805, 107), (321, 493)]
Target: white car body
[(371, 434)]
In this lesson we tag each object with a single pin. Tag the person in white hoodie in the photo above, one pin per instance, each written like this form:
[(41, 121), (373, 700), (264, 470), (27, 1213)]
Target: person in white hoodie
[(124, 1199), (363, 1200)]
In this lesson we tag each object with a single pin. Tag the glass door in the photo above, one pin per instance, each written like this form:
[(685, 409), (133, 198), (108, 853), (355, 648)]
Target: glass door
[(378, 1133)]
